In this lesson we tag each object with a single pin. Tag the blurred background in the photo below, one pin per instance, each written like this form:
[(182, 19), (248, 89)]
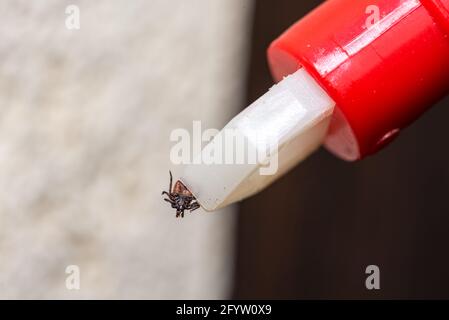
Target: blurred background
[(313, 233), (84, 154), (84, 144)]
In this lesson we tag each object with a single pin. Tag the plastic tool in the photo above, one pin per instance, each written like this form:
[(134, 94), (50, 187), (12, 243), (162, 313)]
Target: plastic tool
[(352, 75)]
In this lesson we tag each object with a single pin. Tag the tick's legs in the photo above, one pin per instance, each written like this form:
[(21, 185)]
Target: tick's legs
[(169, 200), (170, 197), (171, 180), (169, 186), (194, 206)]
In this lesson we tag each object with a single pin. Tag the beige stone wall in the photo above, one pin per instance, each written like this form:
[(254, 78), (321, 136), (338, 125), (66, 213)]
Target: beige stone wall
[(85, 118)]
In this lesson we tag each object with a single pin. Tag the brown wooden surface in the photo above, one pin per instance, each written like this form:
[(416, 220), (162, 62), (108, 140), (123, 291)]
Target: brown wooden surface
[(312, 234)]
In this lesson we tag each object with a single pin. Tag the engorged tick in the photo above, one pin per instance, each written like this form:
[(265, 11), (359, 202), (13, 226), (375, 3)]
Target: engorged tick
[(180, 198)]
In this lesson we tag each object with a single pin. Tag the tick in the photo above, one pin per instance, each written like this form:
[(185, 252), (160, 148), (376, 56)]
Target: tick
[(180, 198)]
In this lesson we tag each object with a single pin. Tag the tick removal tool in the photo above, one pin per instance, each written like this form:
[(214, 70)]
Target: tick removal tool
[(351, 75)]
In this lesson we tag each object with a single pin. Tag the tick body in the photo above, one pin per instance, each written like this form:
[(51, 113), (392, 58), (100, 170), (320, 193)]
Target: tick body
[(180, 198)]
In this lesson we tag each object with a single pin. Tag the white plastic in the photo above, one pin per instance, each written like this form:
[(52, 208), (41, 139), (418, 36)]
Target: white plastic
[(291, 120)]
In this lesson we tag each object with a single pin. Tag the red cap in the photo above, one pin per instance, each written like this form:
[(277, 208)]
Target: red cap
[(383, 62)]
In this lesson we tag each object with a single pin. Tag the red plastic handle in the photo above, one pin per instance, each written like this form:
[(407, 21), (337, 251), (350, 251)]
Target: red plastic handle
[(384, 63)]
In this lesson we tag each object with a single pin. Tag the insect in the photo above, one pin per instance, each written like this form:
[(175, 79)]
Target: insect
[(180, 198)]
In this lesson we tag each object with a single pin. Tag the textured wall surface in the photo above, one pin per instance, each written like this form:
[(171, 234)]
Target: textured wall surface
[(84, 144)]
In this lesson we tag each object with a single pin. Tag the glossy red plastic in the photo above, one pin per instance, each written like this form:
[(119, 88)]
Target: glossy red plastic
[(383, 62)]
